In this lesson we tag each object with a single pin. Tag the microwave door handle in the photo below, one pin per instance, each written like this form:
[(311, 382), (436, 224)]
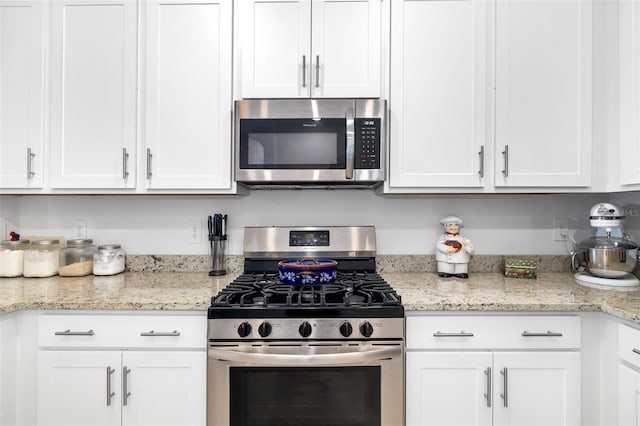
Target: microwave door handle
[(350, 144), (308, 359)]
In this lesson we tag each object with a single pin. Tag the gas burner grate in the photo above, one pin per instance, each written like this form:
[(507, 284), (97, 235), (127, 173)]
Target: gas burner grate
[(351, 289)]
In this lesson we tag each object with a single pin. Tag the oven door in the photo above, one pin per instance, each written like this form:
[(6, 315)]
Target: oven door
[(304, 384)]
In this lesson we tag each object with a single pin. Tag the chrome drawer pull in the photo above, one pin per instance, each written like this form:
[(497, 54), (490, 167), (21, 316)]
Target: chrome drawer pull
[(488, 395), (549, 333), (125, 390), (68, 332), (461, 334), (505, 387), (152, 333), (110, 394), (635, 351)]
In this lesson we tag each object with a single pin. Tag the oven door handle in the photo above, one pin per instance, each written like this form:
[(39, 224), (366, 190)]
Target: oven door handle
[(308, 359)]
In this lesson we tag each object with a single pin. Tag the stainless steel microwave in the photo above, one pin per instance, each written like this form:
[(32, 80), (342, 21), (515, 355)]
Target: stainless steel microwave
[(307, 142)]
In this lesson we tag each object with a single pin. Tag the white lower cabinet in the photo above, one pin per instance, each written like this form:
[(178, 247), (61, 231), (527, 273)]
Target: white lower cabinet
[(86, 378), (628, 376), (493, 370)]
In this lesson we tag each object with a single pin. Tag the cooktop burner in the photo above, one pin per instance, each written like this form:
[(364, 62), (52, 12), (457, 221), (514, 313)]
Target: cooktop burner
[(265, 290)]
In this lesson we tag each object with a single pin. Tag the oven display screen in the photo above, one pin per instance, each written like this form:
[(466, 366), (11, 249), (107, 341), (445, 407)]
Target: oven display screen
[(305, 396), (308, 238)]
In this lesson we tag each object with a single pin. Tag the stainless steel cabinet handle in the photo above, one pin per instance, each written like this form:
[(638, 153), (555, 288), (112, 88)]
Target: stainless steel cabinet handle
[(110, 394), (304, 70), (481, 154), (549, 333), (487, 395), (351, 144), (505, 154), (68, 332), (30, 156), (460, 334), (317, 70), (125, 161), (505, 385), (160, 333), (125, 392), (149, 163), (635, 351)]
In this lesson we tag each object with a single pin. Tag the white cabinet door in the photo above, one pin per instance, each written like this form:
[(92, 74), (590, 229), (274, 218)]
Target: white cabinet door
[(438, 93), (629, 34), (317, 48), (79, 388), (165, 388), (536, 388), (448, 388), (275, 38), (188, 94), (93, 93), (21, 94), (628, 396), (543, 93), (346, 49)]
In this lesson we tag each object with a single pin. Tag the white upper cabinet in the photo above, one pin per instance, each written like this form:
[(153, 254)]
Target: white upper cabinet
[(93, 93), (438, 93), (629, 51), (188, 94), (543, 93), (310, 48), (21, 94)]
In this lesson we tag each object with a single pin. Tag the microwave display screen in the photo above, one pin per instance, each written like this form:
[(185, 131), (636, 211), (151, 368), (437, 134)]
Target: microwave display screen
[(292, 143)]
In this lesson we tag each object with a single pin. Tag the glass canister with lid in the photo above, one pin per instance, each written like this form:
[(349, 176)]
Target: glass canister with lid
[(12, 257), (109, 260), (76, 259), (41, 258)]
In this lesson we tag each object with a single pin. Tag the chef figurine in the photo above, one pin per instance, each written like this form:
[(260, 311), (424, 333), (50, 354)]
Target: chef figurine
[(453, 250)]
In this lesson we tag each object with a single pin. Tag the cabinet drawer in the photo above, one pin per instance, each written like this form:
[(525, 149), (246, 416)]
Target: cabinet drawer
[(122, 331), (493, 332), (629, 344)]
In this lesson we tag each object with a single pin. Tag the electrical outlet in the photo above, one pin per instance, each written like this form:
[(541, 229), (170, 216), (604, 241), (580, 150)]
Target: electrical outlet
[(79, 229), (560, 229), (195, 233)]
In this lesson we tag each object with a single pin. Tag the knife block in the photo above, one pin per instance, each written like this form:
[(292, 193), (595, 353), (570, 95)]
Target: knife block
[(218, 258)]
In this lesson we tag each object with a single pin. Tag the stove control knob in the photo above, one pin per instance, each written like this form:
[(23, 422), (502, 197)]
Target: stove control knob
[(244, 329), (346, 329), (366, 329), (305, 329), (264, 329)]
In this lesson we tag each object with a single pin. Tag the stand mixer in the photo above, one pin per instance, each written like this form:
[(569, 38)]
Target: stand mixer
[(609, 256)]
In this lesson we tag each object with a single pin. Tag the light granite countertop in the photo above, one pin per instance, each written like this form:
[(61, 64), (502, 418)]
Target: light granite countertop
[(422, 291)]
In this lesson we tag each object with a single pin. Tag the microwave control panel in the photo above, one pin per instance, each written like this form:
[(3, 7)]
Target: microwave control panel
[(367, 143)]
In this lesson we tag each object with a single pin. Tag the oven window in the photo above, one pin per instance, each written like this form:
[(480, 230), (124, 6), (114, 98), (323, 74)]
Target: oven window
[(305, 396), (292, 144)]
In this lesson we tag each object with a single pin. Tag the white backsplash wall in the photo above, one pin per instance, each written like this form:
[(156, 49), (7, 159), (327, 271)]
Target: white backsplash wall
[(496, 224)]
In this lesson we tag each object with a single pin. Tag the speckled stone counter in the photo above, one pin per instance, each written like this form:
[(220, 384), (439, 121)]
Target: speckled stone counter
[(192, 291)]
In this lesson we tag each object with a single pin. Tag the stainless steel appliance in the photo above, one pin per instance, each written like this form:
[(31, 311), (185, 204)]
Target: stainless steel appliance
[(283, 354), (609, 257), (310, 142)]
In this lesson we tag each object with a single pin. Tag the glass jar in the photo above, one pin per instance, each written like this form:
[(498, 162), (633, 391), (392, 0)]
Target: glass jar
[(12, 257), (41, 258), (76, 259), (108, 260)]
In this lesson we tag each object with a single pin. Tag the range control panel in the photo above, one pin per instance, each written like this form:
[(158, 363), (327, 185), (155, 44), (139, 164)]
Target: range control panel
[(367, 143)]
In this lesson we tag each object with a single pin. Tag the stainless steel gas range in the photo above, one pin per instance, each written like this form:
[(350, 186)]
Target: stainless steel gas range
[(285, 354)]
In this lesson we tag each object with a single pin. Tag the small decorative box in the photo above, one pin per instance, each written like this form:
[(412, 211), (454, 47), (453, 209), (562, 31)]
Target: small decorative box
[(520, 268)]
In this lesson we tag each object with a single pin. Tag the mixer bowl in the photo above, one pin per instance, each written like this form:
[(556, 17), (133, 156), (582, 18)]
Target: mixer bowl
[(606, 257)]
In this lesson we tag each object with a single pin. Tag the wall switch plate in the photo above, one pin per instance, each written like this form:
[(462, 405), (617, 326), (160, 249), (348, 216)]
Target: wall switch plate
[(560, 229)]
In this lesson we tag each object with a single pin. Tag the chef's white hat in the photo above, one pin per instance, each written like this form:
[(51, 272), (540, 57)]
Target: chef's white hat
[(452, 220)]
